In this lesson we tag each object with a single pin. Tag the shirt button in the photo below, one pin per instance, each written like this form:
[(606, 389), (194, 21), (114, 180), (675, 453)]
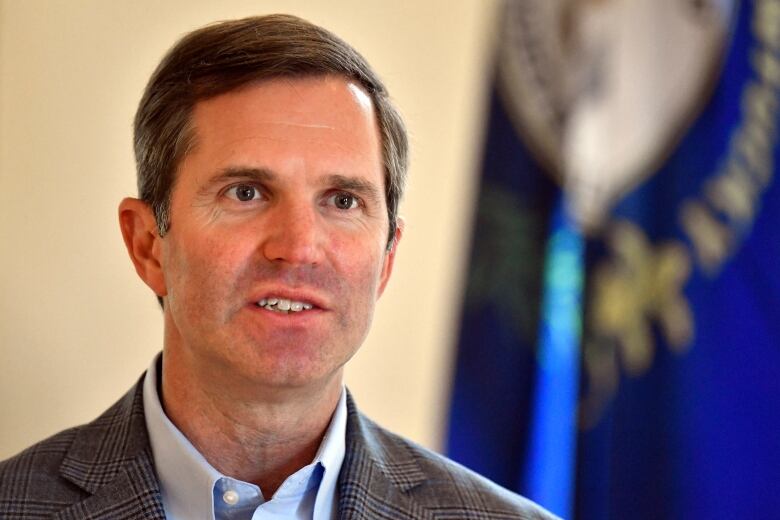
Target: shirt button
[(230, 497)]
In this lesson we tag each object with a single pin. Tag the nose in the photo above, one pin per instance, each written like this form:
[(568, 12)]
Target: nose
[(293, 235)]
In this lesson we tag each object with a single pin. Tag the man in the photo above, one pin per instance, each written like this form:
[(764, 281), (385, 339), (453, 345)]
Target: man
[(270, 166)]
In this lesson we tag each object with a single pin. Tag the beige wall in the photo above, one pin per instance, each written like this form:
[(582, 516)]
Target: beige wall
[(76, 325)]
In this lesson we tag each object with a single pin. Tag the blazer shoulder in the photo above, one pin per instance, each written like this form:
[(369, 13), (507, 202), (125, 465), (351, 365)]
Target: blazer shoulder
[(42, 457), (30, 482), (69, 466), (450, 487)]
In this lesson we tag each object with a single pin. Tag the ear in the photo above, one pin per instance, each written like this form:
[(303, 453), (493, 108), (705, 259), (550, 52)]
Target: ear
[(387, 267), (143, 242)]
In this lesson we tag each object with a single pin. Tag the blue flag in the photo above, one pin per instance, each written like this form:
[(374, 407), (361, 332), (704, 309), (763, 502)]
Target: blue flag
[(675, 357)]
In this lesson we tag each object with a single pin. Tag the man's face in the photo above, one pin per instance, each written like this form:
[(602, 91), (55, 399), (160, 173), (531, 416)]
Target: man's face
[(281, 198)]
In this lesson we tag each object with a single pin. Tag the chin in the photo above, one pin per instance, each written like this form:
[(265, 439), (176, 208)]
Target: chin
[(288, 372)]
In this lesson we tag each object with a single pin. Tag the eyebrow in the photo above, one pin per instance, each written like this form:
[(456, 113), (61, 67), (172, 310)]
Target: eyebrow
[(240, 172), (362, 187)]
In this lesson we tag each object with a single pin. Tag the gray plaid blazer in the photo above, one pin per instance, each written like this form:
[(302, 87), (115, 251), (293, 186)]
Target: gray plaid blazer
[(104, 470)]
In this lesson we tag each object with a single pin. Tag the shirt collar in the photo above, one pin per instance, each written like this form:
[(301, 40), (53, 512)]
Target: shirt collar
[(331, 456), (187, 480)]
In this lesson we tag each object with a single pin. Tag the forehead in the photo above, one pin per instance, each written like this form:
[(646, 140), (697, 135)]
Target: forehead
[(326, 122)]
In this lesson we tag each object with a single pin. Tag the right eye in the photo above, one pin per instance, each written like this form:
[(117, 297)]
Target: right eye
[(243, 192)]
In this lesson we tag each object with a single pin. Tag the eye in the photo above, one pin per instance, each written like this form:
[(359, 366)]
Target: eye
[(343, 200), (242, 192)]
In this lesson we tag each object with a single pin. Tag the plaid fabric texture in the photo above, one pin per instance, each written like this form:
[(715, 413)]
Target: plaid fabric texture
[(104, 470)]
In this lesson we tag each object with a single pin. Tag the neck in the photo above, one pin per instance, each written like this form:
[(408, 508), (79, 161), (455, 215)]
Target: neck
[(247, 434)]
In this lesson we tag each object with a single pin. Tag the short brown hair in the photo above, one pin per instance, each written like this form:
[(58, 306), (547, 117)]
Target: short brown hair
[(224, 56)]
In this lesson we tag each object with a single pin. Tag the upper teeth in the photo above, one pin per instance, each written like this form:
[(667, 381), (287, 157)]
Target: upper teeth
[(283, 305)]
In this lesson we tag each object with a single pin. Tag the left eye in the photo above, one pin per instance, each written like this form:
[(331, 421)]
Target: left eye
[(343, 200), (242, 192)]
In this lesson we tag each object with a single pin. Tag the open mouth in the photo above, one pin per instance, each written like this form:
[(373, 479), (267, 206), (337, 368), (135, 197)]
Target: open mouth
[(284, 306)]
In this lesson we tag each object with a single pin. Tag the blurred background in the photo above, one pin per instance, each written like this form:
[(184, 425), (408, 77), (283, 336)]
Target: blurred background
[(585, 302)]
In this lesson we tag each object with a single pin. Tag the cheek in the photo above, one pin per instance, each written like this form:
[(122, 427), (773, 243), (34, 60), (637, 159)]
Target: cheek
[(360, 266), (203, 271)]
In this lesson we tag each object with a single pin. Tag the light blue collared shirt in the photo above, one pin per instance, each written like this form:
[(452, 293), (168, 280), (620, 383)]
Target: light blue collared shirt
[(193, 489)]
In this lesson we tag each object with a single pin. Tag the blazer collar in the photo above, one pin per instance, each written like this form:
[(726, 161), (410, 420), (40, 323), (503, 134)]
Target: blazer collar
[(378, 472), (110, 458)]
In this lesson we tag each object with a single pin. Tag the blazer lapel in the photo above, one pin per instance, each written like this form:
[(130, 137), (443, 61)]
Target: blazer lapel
[(377, 474), (111, 459)]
